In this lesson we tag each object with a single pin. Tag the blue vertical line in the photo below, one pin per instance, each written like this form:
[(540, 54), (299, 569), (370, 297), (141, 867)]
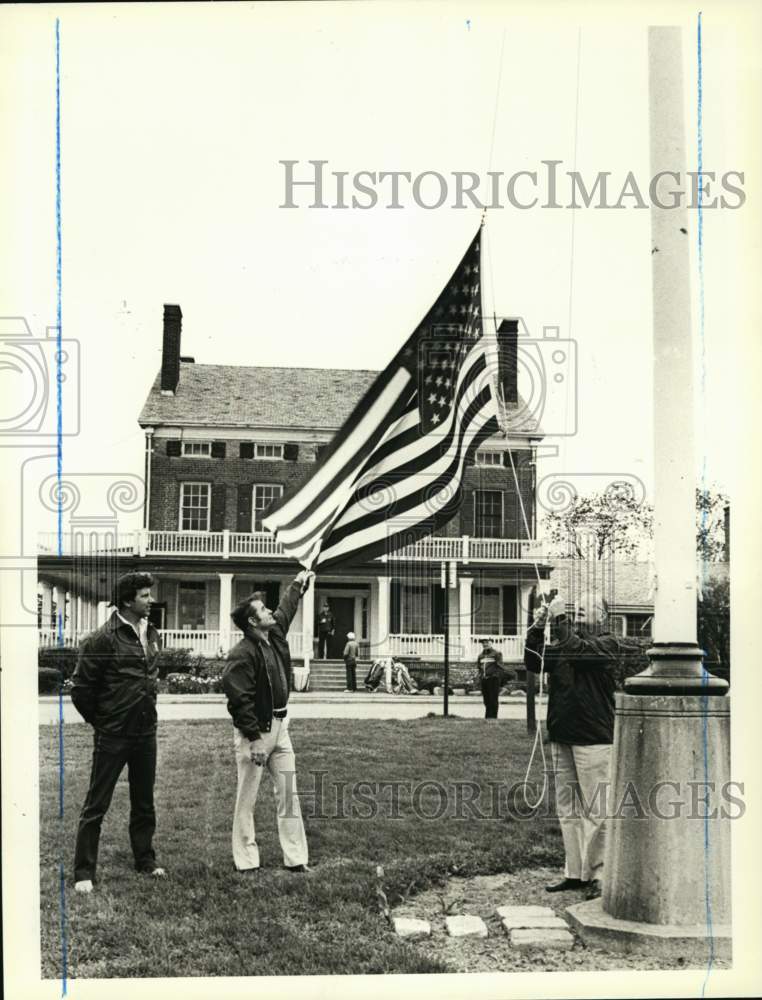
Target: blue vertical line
[(704, 515), (60, 613)]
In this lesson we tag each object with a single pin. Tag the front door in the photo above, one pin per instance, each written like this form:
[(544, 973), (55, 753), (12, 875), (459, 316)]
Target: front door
[(343, 611)]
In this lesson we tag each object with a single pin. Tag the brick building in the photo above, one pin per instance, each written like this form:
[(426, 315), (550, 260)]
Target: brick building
[(225, 443)]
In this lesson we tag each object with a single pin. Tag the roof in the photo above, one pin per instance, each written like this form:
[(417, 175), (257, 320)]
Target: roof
[(243, 396), (246, 396)]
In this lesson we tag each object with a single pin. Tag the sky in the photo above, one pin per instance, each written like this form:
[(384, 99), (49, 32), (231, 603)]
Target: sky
[(172, 131)]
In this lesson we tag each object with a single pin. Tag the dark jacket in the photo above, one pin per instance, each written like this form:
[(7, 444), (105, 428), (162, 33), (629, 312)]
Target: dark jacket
[(582, 681), (326, 623), (489, 663), (245, 680), (115, 684)]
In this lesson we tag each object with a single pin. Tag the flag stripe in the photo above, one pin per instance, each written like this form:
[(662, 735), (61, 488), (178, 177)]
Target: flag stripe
[(340, 465), (388, 535), (407, 491), (411, 459)]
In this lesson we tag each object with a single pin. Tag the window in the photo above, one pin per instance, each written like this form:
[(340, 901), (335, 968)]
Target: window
[(197, 449), (639, 625), (191, 606), (265, 496), (486, 611), (268, 451), (416, 610), (489, 458), (194, 506), (488, 513)]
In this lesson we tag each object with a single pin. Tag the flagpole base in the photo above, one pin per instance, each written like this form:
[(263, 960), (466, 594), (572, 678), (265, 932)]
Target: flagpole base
[(676, 668)]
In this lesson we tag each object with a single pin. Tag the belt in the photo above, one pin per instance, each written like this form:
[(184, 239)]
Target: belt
[(280, 713)]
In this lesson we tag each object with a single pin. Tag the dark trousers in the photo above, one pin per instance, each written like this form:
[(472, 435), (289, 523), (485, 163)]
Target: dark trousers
[(110, 754), (490, 692), (323, 645), (351, 666)]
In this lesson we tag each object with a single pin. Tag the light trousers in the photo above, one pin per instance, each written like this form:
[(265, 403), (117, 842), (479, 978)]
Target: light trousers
[(281, 766), (582, 784)]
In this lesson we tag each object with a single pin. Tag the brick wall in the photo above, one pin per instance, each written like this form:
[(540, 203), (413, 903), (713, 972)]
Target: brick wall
[(232, 478)]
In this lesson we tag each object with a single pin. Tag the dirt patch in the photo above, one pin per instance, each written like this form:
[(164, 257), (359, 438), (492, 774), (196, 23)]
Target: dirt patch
[(480, 896)]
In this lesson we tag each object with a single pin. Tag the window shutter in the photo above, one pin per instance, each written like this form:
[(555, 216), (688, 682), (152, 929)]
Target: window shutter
[(243, 518), (218, 449), (320, 451), (272, 592), (437, 608), (247, 449), (291, 452), (217, 519), (395, 610), (510, 624), (173, 449)]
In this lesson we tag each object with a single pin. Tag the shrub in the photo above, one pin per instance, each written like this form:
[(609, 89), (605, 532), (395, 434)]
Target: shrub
[(62, 659), (48, 680), (714, 627), (192, 684), (179, 661)]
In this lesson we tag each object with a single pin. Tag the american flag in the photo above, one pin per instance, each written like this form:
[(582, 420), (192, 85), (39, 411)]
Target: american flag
[(394, 471)]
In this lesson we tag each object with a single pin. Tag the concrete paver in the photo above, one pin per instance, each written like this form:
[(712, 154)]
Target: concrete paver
[(538, 938), (465, 925), (409, 927)]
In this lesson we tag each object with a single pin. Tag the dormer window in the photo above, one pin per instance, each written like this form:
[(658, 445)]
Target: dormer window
[(197, 449), (270, 451), (489, 458)]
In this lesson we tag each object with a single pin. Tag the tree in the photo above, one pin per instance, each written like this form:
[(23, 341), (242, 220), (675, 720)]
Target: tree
[(710, 524), (714, 625), (600, 524)]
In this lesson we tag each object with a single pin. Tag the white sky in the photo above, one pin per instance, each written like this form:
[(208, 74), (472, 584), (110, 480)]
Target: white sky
[(172, 129)]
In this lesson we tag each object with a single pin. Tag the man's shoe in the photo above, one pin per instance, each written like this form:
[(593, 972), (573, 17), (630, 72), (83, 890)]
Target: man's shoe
[(84, 886), (297, 868), (567, 885), (592, 889), (154, 872)]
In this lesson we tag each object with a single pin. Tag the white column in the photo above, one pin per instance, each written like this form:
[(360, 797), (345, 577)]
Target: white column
[(226, 606), (674, 457), (525, 596), (308, 622), (47, 605), (381, 617), (102, 613), (465, 585), (68, 613)]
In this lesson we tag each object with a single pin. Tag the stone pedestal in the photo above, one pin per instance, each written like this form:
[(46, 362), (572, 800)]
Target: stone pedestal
[(667, 856)]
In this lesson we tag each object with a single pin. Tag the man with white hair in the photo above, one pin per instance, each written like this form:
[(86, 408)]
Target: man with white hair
[(580, 664)]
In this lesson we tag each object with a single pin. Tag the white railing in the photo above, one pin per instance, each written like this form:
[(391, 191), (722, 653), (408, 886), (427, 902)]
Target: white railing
[(81, 542), (185, 543), (202, 642), (428, 646), (262, 545), (511, 646), (49, 637), (414, 645), (254, 543)]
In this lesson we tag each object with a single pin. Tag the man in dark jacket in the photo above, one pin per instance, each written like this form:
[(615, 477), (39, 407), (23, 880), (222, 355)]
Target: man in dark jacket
[(257, 680), (114, 689), (326, 628), (581, 669), (492, 675)]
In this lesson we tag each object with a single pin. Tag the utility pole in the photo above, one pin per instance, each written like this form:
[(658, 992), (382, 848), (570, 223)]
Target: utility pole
[(448, 580)]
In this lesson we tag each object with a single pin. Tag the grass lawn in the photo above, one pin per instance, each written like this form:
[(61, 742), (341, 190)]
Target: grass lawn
[(206, 920)]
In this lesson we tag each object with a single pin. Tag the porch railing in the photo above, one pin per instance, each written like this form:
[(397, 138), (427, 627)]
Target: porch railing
[(202, 642), (262, 545)]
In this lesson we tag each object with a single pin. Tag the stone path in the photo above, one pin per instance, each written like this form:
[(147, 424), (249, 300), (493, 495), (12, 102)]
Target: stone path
[(527, 927)]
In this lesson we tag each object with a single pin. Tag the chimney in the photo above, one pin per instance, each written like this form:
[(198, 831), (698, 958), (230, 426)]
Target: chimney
[(508, 349), (170, 354), (726, 546)]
